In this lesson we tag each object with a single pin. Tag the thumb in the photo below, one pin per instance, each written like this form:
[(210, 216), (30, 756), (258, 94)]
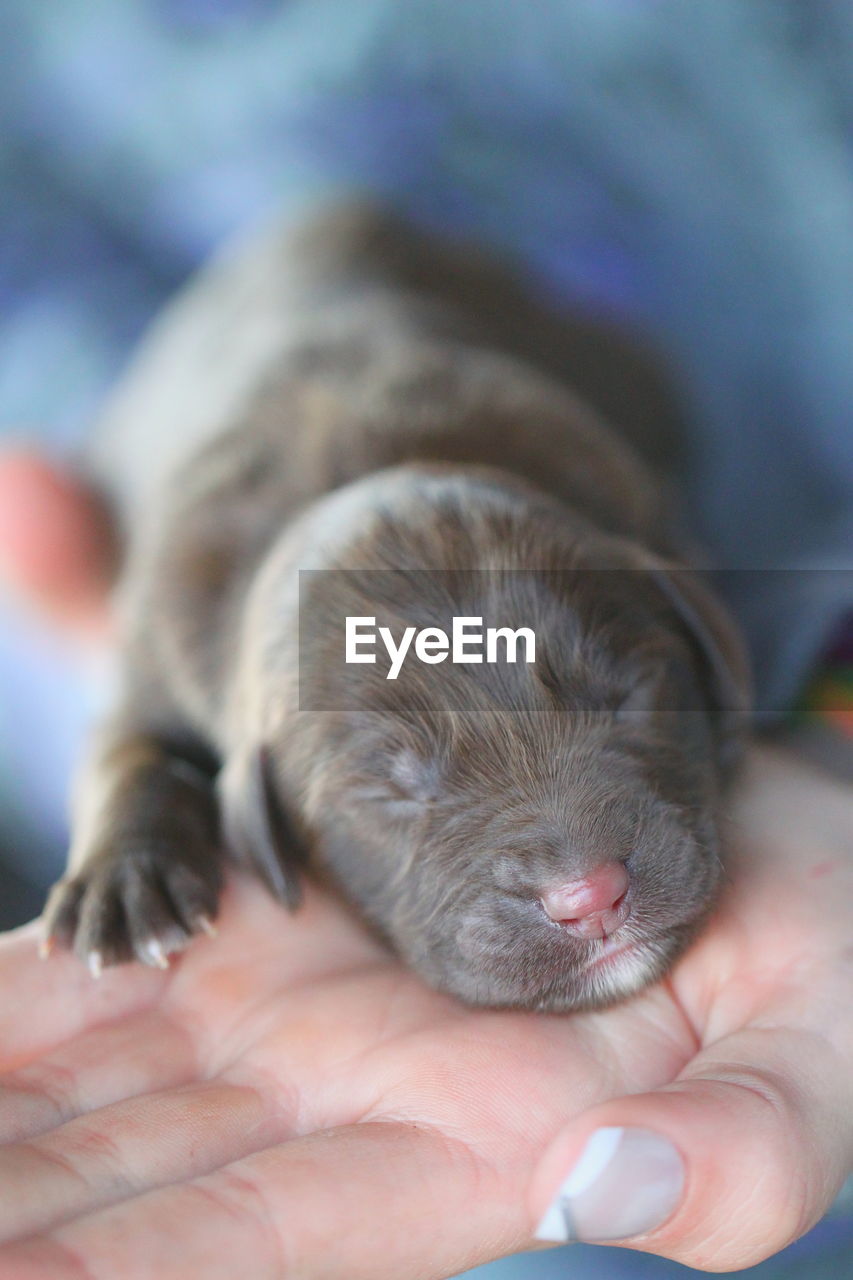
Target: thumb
[(56, 543), (719, 1170)]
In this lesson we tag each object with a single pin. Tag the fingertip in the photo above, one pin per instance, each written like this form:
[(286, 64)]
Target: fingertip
[(56, 545), (706, 1172), (624, 1182)]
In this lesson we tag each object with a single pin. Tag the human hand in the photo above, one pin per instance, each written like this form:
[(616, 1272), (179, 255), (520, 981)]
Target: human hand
[(57, 548), (290, 1100)]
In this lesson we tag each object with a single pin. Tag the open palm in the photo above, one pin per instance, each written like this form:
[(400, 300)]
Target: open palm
[(289, 1100)]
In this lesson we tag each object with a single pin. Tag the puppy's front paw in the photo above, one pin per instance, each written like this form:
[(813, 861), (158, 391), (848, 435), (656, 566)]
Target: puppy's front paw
[(127, 904)]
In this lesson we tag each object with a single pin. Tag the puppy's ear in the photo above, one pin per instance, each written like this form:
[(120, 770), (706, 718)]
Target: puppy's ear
[(716, 640), (255, 825), (720, 648)]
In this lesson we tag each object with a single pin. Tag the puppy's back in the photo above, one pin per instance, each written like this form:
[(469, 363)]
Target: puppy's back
[(228, 334)]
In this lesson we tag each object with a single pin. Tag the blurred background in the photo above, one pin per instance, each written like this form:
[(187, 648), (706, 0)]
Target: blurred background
[(680, 166)]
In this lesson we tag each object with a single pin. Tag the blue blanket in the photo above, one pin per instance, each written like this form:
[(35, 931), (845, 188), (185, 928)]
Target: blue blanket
[(682, 163)]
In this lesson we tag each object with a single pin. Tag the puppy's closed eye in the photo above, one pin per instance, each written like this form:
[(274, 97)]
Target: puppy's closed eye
[(401, 780), (414, 778)]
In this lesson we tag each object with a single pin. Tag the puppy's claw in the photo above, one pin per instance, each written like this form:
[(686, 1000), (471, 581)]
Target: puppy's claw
[(96, 963), (207, 926), (155, 954), (46, 946)]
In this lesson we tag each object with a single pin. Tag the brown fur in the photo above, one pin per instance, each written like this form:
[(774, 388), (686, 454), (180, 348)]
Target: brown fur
[(401, 447)]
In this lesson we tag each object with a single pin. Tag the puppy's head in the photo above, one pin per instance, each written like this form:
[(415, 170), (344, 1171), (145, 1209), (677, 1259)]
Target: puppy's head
[(538, 834)]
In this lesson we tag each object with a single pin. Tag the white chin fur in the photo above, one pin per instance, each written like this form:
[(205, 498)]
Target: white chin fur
[(623, 976)]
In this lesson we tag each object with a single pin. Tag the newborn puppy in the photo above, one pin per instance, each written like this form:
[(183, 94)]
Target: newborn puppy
[(343, 423)]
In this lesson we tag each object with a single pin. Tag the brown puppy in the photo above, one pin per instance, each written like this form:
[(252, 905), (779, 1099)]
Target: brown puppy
[(356, 403)]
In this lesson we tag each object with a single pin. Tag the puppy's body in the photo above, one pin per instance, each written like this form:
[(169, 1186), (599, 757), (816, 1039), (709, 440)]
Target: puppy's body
[(352, 400)]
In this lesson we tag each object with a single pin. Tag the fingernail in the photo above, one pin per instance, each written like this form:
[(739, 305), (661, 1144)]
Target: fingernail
[(626, 1182)]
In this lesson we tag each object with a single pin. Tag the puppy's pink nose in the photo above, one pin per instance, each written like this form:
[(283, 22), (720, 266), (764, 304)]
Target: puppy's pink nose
[(593, 907)]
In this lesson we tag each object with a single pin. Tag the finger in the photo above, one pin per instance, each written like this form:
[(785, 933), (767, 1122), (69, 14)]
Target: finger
[(56, 543), (129, 1147), (44, 1003), (719, 1170), (369, 1202), (121, 1060)]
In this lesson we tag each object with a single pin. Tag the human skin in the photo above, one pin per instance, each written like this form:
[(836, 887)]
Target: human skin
[(289, 1100)]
